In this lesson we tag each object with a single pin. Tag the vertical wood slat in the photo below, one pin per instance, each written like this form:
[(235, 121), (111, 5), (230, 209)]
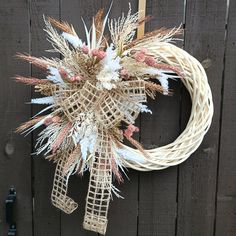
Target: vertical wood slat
[(46, 216), (158, 189), (15, 161), (142, 14), (204, 38), (226, 194)]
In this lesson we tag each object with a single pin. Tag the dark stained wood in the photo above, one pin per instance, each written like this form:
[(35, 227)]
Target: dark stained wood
[(15, 159), (157, 189), (226, 194), (204, 38), (46, 216), (198, 198)]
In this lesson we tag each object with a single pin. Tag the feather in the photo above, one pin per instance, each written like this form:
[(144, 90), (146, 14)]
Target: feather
[(74, 40), (164, 83), (44, 100), (55, 76), (144, 108)]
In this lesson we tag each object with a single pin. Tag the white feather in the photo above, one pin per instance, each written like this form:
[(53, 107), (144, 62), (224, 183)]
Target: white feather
[(144, 108), (164, 83), (54, 76), (45, 100), (72, 39), (84, 144)]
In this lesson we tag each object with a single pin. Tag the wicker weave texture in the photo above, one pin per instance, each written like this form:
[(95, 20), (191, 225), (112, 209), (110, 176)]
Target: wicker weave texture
[(195, 81)]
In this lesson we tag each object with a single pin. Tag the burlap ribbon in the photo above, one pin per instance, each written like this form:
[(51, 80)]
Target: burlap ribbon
[(99, 191), (110, 108)]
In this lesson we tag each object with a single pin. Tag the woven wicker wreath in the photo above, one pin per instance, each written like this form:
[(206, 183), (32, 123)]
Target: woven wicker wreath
[(95, 93), (195, 81)]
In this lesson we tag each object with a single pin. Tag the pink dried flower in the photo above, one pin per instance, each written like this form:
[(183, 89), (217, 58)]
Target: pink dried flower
[(48, 121), (85, 49), (76, 78), (98, 53), (130, 130), (139, 56), (150, 61), (101, 55), (56, 119), (73, 79), (95, 52), (124, 72), (63, 73), (143, 50)]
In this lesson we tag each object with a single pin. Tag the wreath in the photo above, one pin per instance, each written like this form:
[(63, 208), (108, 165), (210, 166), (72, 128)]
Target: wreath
[(93, 96)]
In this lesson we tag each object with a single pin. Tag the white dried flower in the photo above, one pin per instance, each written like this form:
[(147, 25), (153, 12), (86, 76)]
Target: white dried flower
[(110, 71)]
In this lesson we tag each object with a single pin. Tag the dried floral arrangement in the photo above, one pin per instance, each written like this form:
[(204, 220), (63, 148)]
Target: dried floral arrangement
[(93, 96)]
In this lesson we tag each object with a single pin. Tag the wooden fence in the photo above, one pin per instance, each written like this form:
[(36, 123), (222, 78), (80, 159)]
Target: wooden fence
[(197, 198)]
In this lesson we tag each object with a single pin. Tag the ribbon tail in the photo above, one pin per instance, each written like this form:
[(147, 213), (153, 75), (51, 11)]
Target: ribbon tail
[(59, 196), (100, 186)]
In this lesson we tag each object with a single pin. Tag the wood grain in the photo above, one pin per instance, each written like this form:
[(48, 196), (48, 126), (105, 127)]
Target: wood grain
[(196, 198), (46, 216), (204, 38), (226, 194), (15, 160), (158, 190)]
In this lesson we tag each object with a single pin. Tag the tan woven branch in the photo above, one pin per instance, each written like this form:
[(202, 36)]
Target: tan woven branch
[(195, 81)]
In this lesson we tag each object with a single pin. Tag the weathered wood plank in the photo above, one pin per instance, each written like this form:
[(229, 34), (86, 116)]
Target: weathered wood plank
[(204, 38), (15, 159), (157, 190), (226, 195), (46, 216)]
